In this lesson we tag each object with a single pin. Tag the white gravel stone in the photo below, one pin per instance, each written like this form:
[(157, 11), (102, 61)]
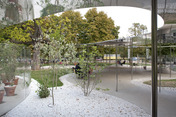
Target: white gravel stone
[(70, 102)]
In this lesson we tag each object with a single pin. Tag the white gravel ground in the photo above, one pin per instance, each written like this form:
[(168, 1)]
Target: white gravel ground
[(70, 102)]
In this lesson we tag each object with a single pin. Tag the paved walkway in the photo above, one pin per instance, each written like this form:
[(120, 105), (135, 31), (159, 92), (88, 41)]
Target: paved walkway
[(140, 96)]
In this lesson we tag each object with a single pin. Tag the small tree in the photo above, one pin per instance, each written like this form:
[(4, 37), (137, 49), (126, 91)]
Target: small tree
[(137, 29), (57, 48), (89, 69), (8, 64)]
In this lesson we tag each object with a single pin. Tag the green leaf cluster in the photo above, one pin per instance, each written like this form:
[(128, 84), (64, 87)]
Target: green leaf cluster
[(137, 29)]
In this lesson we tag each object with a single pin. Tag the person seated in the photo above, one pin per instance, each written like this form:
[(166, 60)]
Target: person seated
[(123, 62), (119, 62), (78, 70)]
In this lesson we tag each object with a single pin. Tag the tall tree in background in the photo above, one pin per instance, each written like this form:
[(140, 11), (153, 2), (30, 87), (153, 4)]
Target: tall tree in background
[(31, 33), (137, 29), (91, 3), (100, 26), (49, 8), (71, 25)]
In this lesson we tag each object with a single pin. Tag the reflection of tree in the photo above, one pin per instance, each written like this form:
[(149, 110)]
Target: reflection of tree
[(12, 11), (15, 11), (137, 29), (91, 3), (56, 2), (49, 8)]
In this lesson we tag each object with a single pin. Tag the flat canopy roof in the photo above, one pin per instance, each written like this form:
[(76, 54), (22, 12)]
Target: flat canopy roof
[(119, 42)]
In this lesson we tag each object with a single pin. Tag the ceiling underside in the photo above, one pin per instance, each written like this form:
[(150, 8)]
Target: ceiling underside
[(15, 11)]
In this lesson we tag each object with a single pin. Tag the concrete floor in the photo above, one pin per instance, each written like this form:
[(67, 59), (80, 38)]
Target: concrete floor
[(140, 96)]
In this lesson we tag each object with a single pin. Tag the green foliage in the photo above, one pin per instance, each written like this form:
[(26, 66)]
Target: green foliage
[(166, 50), (137, 29), (141, 51), (9, 53), (72, 23), (58, 48), (100, 27), (45, 76), (89, 69), (164, 83), (43, 91), (170, 22), (91, 3), (98, 88), (51, 9), (96, 27)]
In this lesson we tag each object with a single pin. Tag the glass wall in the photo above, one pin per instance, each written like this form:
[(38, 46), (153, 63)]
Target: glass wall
[(131, 86), (15, 77)]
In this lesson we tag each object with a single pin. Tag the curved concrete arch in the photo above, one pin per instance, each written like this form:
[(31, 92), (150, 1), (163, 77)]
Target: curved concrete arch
[(28, 8)]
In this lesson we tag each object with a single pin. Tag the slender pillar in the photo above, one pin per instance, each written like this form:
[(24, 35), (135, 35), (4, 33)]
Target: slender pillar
[(116, 69), (146, 52), (25, 65), (109, 54), (131, 58), (170, 61), (106, 58), (128, 54), (160, 65), (154, 59)]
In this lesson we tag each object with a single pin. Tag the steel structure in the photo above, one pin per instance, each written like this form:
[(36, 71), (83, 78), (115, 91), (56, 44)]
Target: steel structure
[(166, 8)]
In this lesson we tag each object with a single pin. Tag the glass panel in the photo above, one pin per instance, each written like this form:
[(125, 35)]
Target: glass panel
[(14, 75), (129, 76)]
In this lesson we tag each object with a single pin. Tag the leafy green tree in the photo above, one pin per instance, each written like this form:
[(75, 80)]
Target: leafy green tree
[(51, 9), (95, 27), (100, 27), (29, 33), (57, 49), (71, 25), (90, 70), (9, 54), (32, 33), (91, 3), (139, 51), (137, 29)]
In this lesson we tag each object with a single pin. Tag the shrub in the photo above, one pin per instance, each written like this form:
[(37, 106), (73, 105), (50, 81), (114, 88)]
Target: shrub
[(43, 91)]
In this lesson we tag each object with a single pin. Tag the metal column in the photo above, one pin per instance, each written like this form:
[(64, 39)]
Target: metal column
[(160, 66), (154, 59), (131, 58), (109, 54), (116, 69), (170, 61)]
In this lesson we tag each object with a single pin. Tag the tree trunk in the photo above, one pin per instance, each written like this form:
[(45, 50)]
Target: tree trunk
[(36, 58), (53, 83)]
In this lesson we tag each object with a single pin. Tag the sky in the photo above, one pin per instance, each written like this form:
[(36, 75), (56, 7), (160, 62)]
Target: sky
[(126, 16), (122, 16)]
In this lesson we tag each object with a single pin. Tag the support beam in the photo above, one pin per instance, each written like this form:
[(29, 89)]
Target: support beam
[(170, 62), (116, 70), (131, 58), (109, 54), (154, 59)]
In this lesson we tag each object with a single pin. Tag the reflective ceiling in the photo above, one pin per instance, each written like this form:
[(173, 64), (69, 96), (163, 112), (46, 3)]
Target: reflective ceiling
[(15, 11)]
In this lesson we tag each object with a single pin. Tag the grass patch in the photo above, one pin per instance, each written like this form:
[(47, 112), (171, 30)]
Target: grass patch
[(98, 88), (170, 22), (164, 83), (47, 75)]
